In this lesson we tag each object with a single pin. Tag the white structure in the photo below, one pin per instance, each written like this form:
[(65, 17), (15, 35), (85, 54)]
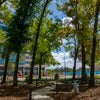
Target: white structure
[(76, 87)]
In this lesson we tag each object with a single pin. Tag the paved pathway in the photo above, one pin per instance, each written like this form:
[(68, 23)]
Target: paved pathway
[(41, 94)]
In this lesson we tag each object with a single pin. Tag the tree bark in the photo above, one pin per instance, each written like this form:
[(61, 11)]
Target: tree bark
[(5, 68), (16, 69), (83, 77), (39, 71), (91, 81), (36, 41), (40, 63), (74, 68), (75, 58), (76, 47)]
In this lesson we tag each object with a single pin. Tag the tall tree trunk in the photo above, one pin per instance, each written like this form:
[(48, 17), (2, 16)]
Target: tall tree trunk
[(39, 71), (76, 47), (5, 68), (16, 69), (83, 77), (36, 41), (40, 66), (40, 63), (91, 81), (75, 57), (74, 68)]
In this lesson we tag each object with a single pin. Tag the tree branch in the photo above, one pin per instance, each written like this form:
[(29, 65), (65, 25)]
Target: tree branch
[(1, 2)]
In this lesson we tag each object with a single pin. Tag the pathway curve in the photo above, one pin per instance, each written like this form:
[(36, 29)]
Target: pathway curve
[(41, 94)]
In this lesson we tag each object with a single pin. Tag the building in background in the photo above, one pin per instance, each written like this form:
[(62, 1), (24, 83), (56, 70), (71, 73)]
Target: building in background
[(24, 65)]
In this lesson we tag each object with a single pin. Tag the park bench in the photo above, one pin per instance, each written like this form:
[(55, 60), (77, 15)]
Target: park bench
[(66, 87), (63, 87)]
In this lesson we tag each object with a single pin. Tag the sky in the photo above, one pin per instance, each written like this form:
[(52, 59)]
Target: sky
[(53, 8), (68, 62), (59, 56)]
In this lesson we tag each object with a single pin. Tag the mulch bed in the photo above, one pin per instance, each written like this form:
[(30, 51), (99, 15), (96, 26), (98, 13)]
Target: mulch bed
[(8, 92), (85, 94)]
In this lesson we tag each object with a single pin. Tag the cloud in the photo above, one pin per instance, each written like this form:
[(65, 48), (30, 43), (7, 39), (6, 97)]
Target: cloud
[(68, 62), (66, 21)]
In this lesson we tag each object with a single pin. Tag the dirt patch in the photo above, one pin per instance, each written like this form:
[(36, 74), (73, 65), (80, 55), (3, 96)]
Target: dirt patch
[(85, 94), (8, 92)]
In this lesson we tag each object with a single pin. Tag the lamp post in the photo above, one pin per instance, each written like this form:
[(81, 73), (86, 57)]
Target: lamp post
[(30, 92)]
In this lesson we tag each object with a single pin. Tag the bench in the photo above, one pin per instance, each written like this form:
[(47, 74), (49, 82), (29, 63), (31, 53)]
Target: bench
[(63, 87)]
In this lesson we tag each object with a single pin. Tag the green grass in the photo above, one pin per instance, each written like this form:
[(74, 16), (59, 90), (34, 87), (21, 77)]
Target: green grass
[(97, 77)]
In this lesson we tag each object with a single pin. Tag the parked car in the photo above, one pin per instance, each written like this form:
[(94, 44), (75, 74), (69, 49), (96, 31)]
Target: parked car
[(20, 74)]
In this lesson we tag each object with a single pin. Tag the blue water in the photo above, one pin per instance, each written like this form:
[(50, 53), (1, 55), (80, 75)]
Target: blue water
[(79, 72)]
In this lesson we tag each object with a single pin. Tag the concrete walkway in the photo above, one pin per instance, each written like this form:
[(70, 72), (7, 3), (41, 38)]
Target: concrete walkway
[(41, 94)]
